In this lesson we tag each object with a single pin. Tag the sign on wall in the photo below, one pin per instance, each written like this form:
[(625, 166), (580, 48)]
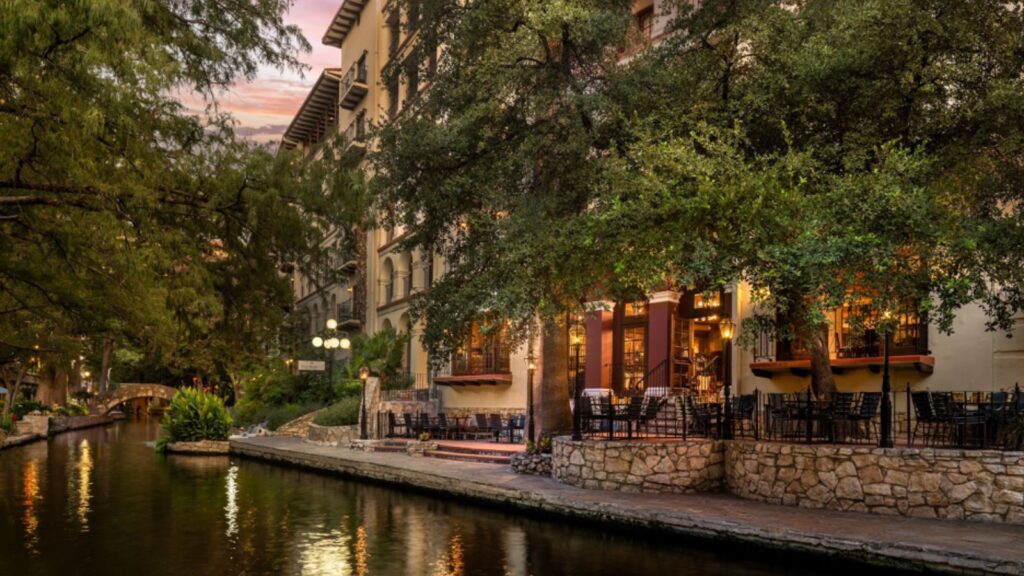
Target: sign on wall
[(311, 365)]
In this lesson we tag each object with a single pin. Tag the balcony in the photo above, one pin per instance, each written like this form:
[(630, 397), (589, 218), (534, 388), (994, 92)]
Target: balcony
[(344, 20), (354, 85), (355, 134), (347, 317)]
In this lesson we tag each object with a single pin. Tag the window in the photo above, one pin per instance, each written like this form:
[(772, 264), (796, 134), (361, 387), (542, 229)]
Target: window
[(412, 78), (485, 352), (428, 271), (645, 24)]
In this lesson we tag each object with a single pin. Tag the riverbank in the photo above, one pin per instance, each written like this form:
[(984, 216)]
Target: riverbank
[(910, 543), (47, 427)]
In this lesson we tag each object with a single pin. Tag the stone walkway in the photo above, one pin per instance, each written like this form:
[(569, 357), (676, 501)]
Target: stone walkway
[(942, 545)]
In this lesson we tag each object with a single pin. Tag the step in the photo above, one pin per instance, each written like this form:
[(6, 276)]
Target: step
[(468, 457), (480, 450)]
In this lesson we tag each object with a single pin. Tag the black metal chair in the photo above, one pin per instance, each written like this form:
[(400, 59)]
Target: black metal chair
[(425, 424), (443, 426), (649, 413), (494, 421), (516, 427), (410, 429), (394, 425), (743, 414), (863, 419), (924, 415), (952, 417), (840, 411), (777, 416)]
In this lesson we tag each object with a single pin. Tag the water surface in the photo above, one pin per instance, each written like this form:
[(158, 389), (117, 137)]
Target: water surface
[(101, 502)]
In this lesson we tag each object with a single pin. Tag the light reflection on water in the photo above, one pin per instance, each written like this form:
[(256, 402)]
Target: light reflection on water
[(100, 502)]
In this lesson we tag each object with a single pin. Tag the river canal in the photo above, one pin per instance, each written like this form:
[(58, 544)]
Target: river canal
[(101, 502)]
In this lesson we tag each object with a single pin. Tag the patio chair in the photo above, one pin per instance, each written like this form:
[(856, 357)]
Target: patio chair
[(394, 425), (743, 413), (952, 417), (410, 428), (494, 421), (863, 419), (777, 415), (649, 413), (516, 427), (425, 425), (443, 426), (839, 412), (924, 414)]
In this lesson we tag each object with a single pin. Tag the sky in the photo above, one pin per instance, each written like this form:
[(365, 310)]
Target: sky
[(265, 106)]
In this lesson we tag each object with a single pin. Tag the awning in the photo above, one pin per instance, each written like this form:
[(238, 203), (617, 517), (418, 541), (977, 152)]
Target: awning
[(344, 19), (473, 380), (318, 114), (3, 390), (921, 363)]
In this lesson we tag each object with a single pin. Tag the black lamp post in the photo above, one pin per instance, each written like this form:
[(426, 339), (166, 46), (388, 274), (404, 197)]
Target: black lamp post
[(577, 427), (329, 341), (885, 439), (725, 328), (364, 375), (530, 367)]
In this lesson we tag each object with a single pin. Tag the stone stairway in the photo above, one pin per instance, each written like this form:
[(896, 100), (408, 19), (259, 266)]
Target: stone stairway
[(474, 452), (391, 445)]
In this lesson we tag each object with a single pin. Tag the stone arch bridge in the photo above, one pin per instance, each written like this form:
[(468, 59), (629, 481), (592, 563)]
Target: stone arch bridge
[(109, 400)]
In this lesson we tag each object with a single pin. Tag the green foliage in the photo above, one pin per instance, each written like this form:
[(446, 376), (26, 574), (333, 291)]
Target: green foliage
[(249, 413), (195, 415), (1014, 438), (7, 424), (124, 213), (342, 413), (23, 407), (381, 353), (72, 409)]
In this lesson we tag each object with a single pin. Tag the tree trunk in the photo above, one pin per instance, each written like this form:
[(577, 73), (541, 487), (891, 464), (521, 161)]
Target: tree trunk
[(554, 417), (108, 352), (12, 390), (822, 381)]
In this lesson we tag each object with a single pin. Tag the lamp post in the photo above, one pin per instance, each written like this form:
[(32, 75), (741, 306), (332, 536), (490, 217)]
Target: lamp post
[(725, 328), (885, 438), (530, 367), (364, 375), (577, 427), (330, 341)]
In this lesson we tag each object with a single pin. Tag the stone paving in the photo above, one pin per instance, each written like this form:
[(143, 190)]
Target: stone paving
[(942, 545)]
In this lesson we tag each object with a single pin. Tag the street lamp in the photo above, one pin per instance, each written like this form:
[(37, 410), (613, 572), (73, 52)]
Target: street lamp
[(725, 328), (885, 437), (530, 367), (577, 426), (364, 375), (330, 341)]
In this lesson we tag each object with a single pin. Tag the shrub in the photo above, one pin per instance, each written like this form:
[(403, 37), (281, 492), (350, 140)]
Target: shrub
[(1015, 434), (7, 424), (71, 409), (195, 415), (23, 407), (343, 413), (251, 412)]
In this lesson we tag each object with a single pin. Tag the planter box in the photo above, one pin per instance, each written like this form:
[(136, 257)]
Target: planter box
[(535, 464), (60, 424), (201, 448)]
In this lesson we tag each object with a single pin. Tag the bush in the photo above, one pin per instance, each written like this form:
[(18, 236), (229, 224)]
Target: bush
[(195, 415), (23, 407), (71, 409), (343, 413), (1015, 435), (251, 412), (7, 424)]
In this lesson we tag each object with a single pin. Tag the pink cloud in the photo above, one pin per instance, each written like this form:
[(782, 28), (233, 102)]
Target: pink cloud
[(265, 106)]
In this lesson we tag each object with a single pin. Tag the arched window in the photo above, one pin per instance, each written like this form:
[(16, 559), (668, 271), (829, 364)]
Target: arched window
[(407, 264), (387, 280)]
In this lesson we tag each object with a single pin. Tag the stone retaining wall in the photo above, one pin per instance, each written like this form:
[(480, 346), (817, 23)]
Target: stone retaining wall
[(35, 424), (680, 466), (536, 464), (981, 485), (60, 424), (332, 435), (200, 448)]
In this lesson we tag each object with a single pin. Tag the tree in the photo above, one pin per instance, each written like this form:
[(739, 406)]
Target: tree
[(126, 218), (490, 165), (826, 151)]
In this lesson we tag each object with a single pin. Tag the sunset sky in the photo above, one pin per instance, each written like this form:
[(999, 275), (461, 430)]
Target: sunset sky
[(265, 106)]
